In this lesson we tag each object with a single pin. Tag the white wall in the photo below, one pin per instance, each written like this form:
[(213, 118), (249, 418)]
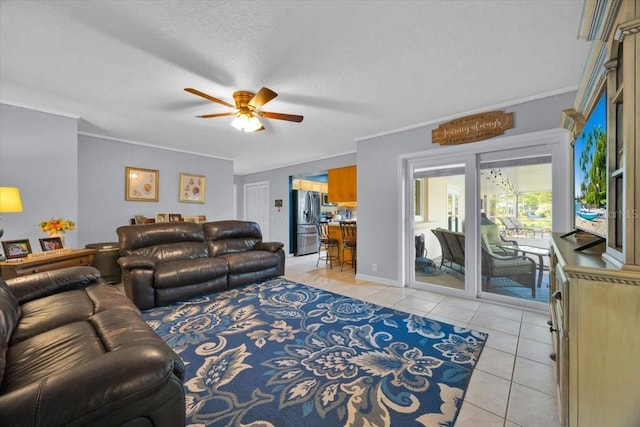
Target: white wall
[(81, 177), (102, 163), (38, 154)]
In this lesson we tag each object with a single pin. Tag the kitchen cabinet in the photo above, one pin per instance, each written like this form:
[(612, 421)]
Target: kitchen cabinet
[(305, 184), (343, 184), (596, 340)]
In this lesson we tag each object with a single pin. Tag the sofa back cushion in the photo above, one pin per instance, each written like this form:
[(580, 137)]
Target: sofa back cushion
[(169, 241), (9, 316), (225, 237)]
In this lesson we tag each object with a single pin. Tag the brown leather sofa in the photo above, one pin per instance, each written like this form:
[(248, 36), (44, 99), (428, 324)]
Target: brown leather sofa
[(75, 351), (171, 261)]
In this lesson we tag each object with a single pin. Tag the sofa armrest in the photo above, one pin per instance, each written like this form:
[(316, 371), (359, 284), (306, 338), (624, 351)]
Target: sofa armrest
[(38, 285), (270, 246), (118, 387), (136, 261)]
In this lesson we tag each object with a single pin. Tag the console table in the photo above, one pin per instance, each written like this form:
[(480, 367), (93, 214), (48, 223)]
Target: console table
[(596, 341), (11, 269)]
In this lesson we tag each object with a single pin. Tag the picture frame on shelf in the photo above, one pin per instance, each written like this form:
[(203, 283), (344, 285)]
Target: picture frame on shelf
[(191, 218), (202, 218), (162, 217), (192, 188), (174, 217), (16, 248), (51, 244), (141, 185)]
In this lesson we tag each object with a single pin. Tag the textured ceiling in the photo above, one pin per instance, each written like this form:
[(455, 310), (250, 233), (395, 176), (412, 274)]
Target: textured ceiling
[(351, 68)]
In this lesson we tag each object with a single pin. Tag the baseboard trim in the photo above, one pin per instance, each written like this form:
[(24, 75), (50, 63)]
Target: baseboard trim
[(379, 280)]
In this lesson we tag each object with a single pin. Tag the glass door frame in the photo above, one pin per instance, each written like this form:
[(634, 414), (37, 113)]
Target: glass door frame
[(516, 153), (554, 142), (471, 195)]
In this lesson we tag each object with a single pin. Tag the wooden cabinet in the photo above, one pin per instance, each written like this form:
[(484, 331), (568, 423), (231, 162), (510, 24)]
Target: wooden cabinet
[(305, 184), (343, 184), (595, 315), (613, 30), (47, 263)]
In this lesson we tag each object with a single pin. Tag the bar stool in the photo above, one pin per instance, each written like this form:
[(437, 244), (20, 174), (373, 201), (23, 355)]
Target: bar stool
[(349, 232), (327, 244)]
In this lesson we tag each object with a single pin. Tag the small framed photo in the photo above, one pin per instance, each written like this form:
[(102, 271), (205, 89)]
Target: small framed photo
[(51, 244), (141, 185), (162, 217), (202, 218), (16, 248), (175, 217), (191, 218), (192, 188)]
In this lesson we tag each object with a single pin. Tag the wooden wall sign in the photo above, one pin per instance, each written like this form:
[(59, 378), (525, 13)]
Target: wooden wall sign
[(472, 128)]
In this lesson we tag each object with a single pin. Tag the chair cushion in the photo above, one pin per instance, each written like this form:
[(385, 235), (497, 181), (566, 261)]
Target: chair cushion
[(492, 233)]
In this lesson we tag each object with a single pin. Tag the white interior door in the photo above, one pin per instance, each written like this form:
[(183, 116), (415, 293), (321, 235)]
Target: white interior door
[(256, 205)]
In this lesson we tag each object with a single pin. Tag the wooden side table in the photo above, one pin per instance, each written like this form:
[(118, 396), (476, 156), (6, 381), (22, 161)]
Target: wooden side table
[(74, 258)]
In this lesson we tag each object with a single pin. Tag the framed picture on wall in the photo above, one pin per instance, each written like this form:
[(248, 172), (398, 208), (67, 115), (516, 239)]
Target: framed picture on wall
[(192, 188), (16, 248), (141, 185)]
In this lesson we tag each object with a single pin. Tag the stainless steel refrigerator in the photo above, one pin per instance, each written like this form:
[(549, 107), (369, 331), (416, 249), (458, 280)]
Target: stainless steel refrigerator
[(306, 210)]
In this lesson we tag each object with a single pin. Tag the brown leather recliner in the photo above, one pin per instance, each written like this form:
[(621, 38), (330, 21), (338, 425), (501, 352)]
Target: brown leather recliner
[(167, 262), (75, 351)]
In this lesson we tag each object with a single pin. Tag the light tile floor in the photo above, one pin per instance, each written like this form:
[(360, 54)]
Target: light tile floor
[(513, 383)]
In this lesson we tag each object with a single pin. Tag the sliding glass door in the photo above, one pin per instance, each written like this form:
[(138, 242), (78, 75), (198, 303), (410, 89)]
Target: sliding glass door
[(515, 227), (438, 226), (480, 226)]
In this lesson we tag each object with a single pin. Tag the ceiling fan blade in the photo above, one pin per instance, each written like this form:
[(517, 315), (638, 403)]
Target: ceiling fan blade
[(281, 116), (263, 96), (209, 116), (209, 97)]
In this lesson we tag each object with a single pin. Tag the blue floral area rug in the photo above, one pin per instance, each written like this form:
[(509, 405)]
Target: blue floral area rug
[(280, 353)]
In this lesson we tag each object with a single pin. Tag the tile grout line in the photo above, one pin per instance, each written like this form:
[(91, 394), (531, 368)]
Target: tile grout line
[(513, 372)]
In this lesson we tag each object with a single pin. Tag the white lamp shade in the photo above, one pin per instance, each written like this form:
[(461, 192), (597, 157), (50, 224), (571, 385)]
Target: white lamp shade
[(244, 122), (10, 199)]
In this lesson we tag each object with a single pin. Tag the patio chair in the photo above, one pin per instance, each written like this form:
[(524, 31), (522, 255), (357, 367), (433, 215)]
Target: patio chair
[(519, 270), (520, 226), (514, 226), (495, 240), (447, 257), (452, 244)]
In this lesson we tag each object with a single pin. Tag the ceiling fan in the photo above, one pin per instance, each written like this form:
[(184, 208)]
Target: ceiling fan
[(247, 108)]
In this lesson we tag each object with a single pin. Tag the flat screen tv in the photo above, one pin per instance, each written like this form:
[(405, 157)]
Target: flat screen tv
[(590, 172)]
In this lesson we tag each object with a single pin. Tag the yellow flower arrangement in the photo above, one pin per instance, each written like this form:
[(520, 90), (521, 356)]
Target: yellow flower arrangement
[(57, 224)]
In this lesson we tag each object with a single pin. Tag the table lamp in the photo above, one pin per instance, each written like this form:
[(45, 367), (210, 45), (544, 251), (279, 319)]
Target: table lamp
[(9, 202)]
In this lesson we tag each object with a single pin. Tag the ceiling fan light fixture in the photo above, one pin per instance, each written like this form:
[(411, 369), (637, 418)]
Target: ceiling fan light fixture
[(246, 122)]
